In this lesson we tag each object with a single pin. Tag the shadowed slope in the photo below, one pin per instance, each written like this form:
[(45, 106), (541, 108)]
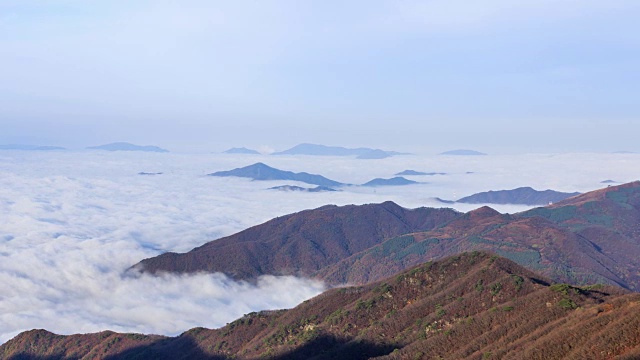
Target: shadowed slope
[(301, 243)]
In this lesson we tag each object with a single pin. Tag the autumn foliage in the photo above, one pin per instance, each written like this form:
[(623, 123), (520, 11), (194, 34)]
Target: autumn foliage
[(471, 306)]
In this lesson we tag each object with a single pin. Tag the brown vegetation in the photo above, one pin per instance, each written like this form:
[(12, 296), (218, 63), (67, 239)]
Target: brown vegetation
[(590, 238), (301, 243), (471, 306)]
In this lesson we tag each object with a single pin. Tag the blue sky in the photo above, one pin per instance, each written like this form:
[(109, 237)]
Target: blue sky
[(494, 75)]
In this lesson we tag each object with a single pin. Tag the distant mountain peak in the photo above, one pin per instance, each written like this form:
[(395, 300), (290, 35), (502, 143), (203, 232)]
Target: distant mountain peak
[(323, 150), (414, 172), (462, 152), (30, 147), (261, 171), (261, 165), (522, 195), (318, 188), (241, 150), (395, 181), (483, 212), (125, 146)]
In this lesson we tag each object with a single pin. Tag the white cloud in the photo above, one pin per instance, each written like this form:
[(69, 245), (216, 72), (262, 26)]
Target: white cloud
[(74, 221)]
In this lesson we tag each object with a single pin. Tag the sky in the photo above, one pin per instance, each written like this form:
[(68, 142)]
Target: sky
[(74, 222), (497, 76)]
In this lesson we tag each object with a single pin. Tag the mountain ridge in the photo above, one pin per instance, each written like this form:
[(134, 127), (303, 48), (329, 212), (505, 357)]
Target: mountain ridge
[(300, 243), (30, 147), (470, 306), (289, 188), (241, 150), (521, 195), (462, 152), (395, 181), (593, 237), (261, 171), (409, 172), (125, 146), (593, 242), (323, 150)]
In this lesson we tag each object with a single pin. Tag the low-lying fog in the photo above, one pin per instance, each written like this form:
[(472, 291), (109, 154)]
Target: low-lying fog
[(72, 222)]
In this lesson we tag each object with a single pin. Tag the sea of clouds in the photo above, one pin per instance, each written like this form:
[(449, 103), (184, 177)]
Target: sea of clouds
[(73, 222)]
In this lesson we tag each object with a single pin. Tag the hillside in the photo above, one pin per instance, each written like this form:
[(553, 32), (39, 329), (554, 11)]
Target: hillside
[(590, 238), (594, 237), (260, 171), (470, 306), (301, 243), (521, 195)]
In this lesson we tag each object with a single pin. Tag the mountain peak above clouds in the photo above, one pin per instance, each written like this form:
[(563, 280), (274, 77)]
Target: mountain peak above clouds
[(323, 150), (241, 150), (124, 146), (592, 237), (521, 195), (261, 171), (462, 152), (30, 147)]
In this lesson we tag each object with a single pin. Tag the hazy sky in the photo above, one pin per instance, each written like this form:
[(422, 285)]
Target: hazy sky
[(196, 75)]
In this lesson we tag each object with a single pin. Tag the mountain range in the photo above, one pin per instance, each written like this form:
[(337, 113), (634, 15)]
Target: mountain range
[(470, 306), (462, 152), (301, 243), (302, 189), (395, 181), (323, 150), (30, 147), (260, 171), (590, 238), (547, 283), (124, 146), (414, 172), (241, 150), (521, 195)]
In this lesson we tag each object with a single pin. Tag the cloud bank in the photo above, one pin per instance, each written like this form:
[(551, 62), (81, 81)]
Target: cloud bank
[(73, 222)]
